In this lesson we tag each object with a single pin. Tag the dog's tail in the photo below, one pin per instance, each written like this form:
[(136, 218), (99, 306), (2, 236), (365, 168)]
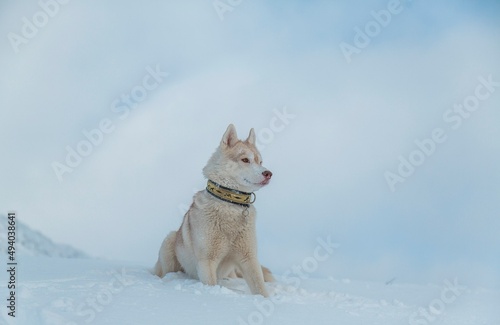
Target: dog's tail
[(167, 260)]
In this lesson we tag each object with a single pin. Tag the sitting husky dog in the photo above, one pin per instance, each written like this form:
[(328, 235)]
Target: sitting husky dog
[(217, 236)]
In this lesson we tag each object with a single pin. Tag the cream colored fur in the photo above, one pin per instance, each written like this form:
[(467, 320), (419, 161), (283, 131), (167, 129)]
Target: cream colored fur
[(216, 239)]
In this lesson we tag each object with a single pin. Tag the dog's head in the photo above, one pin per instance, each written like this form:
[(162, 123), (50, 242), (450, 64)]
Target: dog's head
[(237, 164)]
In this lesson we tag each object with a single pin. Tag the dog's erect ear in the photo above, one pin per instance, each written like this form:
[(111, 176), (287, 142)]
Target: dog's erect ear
[(251, 137), (230, 137)]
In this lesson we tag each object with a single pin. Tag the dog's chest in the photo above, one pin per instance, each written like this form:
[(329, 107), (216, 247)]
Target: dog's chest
[(233, 223), (226, 219)]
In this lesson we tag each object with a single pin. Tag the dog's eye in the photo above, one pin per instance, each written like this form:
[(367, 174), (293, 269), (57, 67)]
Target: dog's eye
[(245, 160)]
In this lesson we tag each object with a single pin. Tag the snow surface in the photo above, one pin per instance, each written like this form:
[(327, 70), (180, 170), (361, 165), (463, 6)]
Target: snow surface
[(54, 289), (91, 291)]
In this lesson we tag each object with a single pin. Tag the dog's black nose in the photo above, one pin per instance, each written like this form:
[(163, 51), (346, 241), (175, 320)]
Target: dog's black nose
[(267, 174)]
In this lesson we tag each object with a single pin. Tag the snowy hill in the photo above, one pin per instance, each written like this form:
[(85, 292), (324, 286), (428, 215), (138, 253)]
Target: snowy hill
[(32, 243), (90, 291)]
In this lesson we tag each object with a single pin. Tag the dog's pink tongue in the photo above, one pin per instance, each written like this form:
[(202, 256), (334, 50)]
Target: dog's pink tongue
[(265, 181)]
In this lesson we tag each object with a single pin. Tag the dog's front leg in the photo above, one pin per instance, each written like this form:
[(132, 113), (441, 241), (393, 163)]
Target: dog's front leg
[(207, 272), (252, 273)]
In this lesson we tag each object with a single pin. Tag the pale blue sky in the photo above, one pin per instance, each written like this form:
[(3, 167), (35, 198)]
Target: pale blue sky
[(352, 122)]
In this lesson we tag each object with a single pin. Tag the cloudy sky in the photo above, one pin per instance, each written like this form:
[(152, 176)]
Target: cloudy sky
[(379, 119)]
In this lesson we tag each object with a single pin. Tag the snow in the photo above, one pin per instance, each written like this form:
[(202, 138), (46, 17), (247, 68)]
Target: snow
[(83, 291), (55, 289)]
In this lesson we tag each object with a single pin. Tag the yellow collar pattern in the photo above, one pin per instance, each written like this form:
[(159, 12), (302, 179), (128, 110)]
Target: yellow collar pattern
[(230, 195)]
